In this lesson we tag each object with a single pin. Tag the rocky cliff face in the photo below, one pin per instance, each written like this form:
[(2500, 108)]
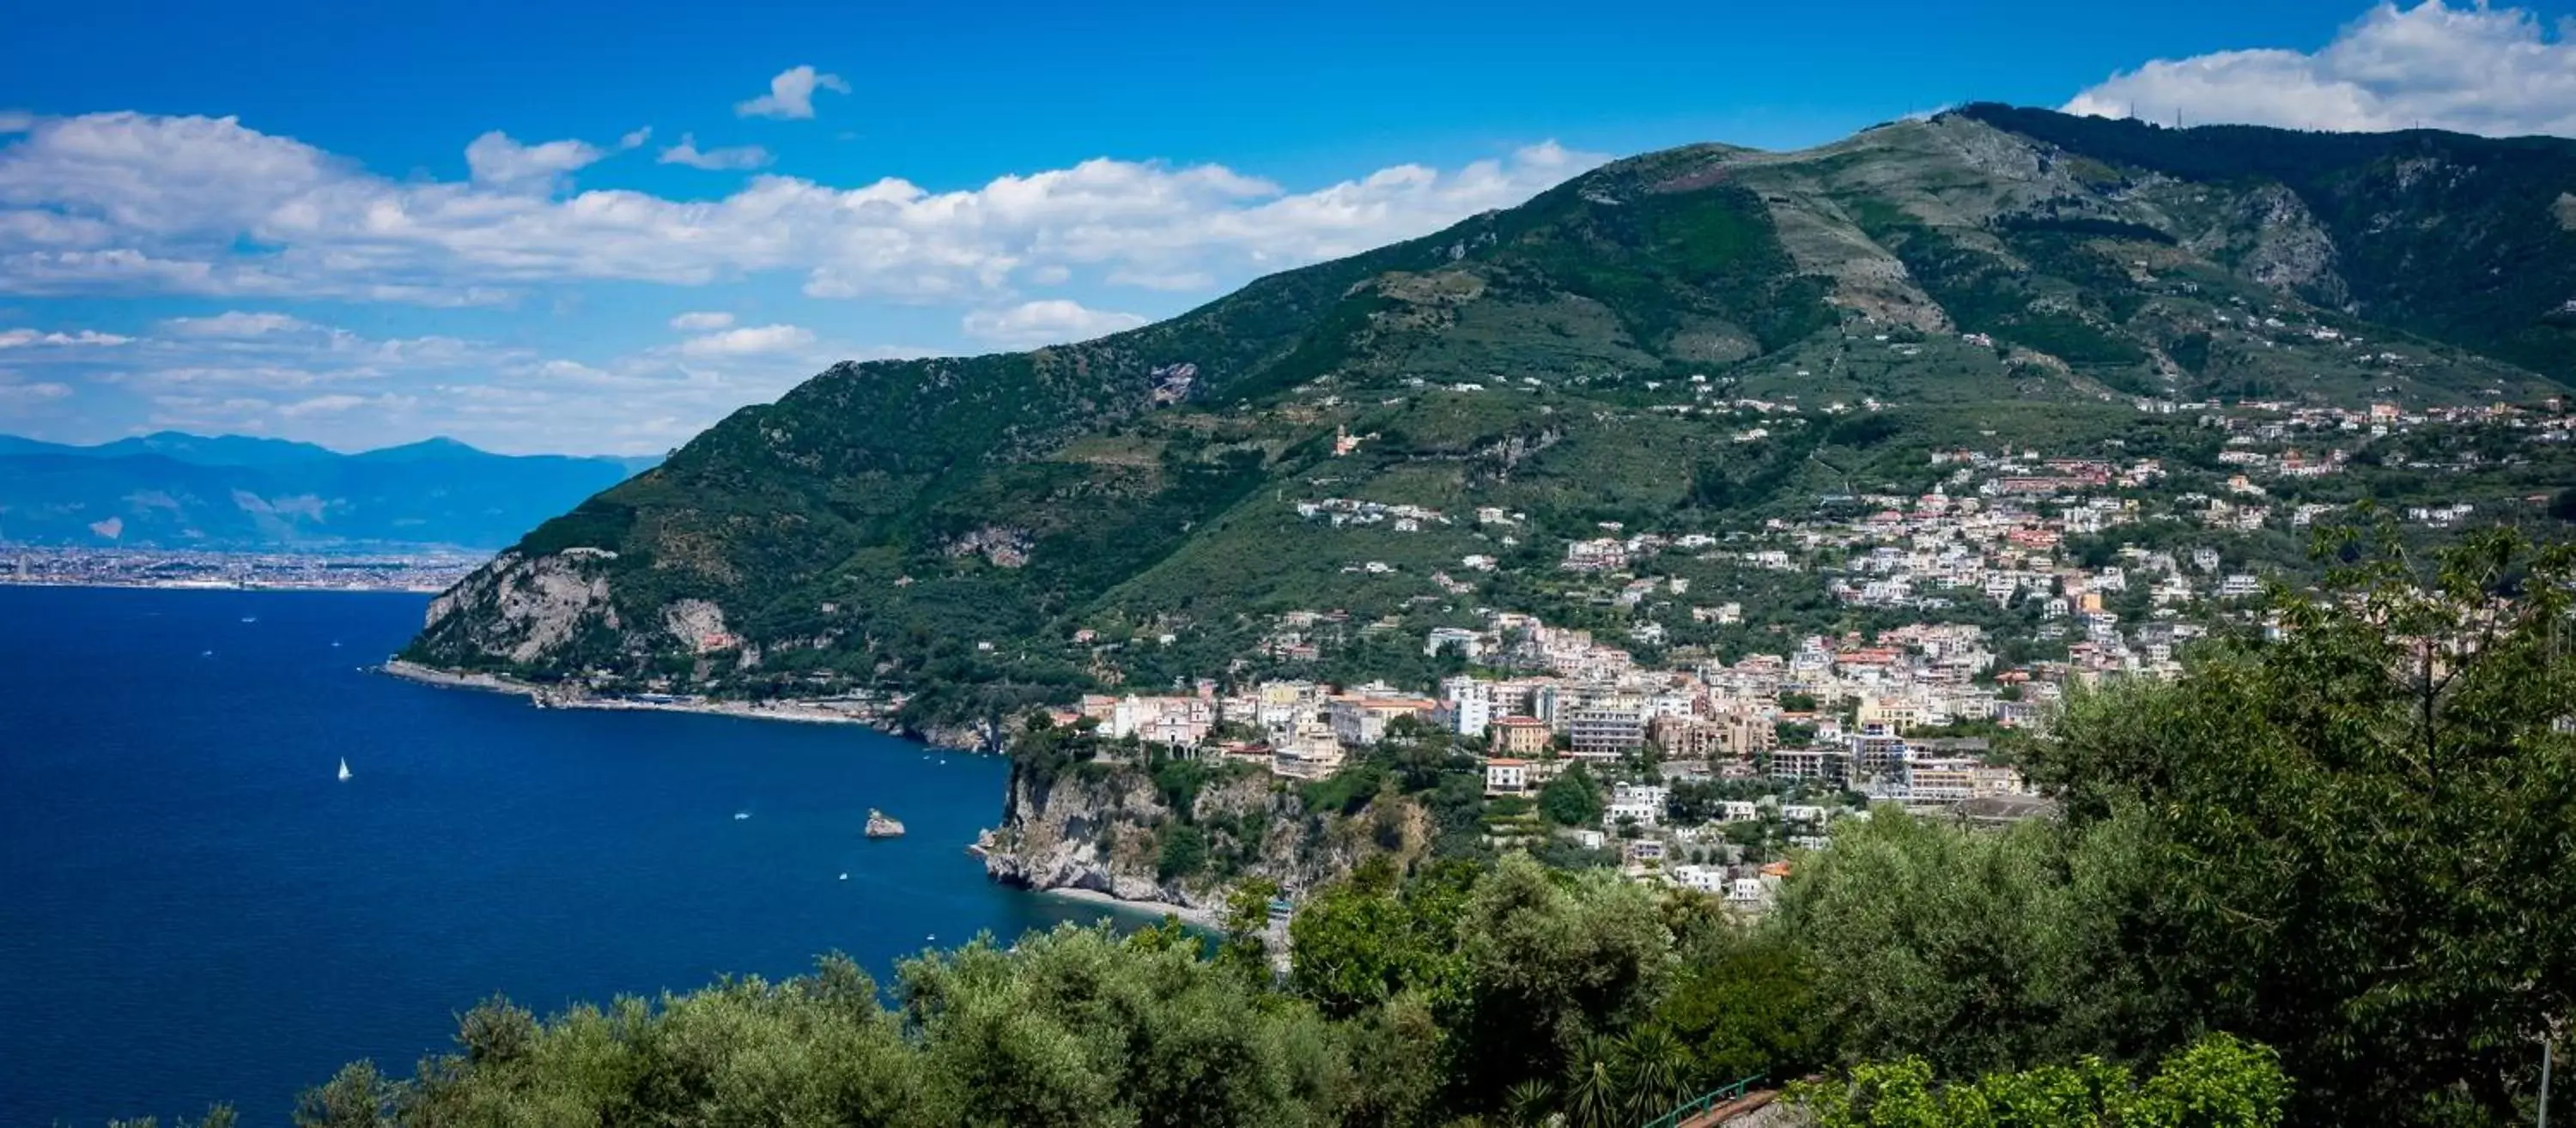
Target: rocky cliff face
[(1102, 827), (518, 608)]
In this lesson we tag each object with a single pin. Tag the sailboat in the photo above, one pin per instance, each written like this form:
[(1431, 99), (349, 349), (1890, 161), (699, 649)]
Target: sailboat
[(344, 769)]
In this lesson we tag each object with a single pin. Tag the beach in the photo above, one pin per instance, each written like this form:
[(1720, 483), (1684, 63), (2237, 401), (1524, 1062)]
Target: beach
[(1202, 918)]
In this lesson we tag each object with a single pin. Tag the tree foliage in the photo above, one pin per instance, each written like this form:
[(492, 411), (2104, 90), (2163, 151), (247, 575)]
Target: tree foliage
[(1573, 798), (2218, 1082), (2344, 836), (2355, 830)]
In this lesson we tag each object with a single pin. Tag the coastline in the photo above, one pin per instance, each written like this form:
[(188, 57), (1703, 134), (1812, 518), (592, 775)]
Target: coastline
[(7, 580), (545, 697), (796, 712), (1196, 918)]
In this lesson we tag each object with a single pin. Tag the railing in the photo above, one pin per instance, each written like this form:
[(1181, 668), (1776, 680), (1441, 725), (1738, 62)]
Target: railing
[(1706, 1101)]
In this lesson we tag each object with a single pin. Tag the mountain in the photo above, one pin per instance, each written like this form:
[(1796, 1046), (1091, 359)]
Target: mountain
[(173, 490), (1615, 353), (202, 450)]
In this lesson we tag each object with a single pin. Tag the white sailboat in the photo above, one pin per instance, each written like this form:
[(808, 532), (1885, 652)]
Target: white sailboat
[(344, 769)]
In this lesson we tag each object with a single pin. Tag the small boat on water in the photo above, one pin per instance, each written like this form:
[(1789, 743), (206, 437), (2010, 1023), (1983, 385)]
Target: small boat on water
[(879, 826), (344, 769)]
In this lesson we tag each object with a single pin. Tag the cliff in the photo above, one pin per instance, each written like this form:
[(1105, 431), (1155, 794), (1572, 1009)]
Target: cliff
[(1118, 829)]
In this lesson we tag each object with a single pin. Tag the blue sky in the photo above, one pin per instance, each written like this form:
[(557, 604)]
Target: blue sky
[(595, 228)]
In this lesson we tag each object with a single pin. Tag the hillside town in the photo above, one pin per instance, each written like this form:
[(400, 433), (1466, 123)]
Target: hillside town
[(1826, 724)]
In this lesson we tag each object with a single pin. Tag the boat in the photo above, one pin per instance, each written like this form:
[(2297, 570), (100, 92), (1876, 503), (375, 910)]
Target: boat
[(344, 769), (879, 826)]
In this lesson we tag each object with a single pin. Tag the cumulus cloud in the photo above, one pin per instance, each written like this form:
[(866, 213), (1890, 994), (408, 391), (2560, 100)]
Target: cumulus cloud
[(1052, 322), (791, 94), (31, 338), (738, 157), (321, 405), (19, 395), (701, 321), (127, 203), (635, 138), (749, 341), (2495, 71), (495, 160), (236, 323)]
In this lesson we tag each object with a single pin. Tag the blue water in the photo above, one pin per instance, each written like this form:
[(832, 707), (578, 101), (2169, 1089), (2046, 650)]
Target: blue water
[(192, 908)]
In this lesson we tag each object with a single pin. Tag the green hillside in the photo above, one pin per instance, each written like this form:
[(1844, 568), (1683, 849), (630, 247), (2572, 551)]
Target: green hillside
[(1005, 528)]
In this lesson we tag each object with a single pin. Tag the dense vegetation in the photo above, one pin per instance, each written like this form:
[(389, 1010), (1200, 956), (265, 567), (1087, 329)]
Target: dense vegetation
[(2489, 266), (2318, 880)]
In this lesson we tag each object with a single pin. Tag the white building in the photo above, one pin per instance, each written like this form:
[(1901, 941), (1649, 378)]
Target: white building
[(1637, 803), (1470, 704), (1706, 879)]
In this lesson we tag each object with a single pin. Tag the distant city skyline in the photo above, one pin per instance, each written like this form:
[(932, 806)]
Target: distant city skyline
[(598, 231)]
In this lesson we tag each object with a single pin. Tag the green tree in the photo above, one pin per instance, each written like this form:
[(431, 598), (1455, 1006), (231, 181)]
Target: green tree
[(1247, 922), (1398, 1055), (1977, 951), (1363, 940), (1743, 1003), (2217, 1082), (1655, 1072), (1184, 852), (1573, 798), (2353, 831), (1551, 959), (356, 1097)]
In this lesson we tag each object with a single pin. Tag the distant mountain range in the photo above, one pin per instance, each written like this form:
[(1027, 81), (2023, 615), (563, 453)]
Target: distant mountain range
[(174, 490)]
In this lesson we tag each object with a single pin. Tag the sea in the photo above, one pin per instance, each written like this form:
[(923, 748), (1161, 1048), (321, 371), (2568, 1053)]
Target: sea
[(193, 907)]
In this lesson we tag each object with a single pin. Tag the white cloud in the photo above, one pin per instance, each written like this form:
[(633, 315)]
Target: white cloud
[(16, 121), (791, 94), (126, 203), (265, 373), (701, 321), (749, 341), (236, 323), (29, 395), (2495, 71), (1146, 279), (635, 138), (31, 338), (1052, 322), (497, 161), (738, 157), (322, 405)]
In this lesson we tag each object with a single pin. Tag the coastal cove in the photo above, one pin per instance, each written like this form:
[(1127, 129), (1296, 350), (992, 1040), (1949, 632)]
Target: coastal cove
[(184, 882)]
